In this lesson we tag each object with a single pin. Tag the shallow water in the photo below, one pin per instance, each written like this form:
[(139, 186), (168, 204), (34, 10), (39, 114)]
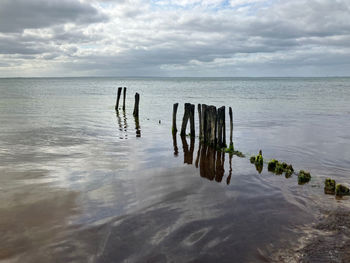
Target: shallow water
[(78, 185)]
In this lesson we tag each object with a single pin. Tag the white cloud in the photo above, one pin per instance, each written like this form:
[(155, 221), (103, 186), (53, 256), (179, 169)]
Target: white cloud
[(178, 37)]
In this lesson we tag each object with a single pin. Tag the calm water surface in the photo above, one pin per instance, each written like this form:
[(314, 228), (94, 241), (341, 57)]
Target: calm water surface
[(78, 185)]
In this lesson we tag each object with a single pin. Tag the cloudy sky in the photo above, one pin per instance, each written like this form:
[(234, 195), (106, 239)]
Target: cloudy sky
[(174, 38)]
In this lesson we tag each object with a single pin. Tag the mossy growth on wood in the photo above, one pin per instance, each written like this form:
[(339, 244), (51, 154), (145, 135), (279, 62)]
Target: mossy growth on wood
[(258, 161), (288, 173), (252, 159), (271, 166), (279, 168), (329, 186), (341, 190), (231, 150), (304, 177)]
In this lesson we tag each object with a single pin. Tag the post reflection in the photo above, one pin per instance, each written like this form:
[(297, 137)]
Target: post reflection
[(137, 127), (210, 161), (176, 149), (122, 124), (228, 179), (188, 151)]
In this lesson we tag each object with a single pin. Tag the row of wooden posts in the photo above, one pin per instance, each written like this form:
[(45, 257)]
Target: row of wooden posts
[(212, 125), (136, 105)]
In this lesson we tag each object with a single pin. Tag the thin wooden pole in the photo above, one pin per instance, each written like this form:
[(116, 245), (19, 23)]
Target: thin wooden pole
[(221, 126), (185, 118), (174, 128), (118, 97), (192, 125), (124, 97), (136, 106), (231, 126), (200, 120), (203, 128), (212, 116)]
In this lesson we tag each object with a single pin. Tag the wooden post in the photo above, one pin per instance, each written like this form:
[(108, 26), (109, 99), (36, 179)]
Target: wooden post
[(192, 125), (200, 120), (136, 106), (231, 126), (221, 126), (124, 97), (212, 125), (203, 127), (118, 97), (174, 128), (185, 118)]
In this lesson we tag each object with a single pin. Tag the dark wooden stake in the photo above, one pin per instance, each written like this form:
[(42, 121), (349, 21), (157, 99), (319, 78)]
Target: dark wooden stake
[(124, 97), (192, 125), (174, 128), (221, 126), (231, 125), (187, 110), (212, 125), (118, 97), (136, 106), (203, 127), (200, 120)]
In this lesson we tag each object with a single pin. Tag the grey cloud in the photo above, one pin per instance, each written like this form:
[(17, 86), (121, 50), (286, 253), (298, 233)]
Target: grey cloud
[(16, 15)]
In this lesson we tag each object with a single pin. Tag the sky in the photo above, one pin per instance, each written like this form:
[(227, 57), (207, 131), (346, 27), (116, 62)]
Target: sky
[(174, 38)]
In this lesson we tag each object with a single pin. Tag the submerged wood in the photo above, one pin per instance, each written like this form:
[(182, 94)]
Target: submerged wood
[(174, 128), (231, 125), (118, 98), (124, 97), (136, 106)]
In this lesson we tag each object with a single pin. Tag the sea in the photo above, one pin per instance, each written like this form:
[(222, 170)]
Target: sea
[(82, 182)]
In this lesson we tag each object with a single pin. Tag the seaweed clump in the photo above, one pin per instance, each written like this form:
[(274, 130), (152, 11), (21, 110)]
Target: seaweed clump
[(231, 150), (341, 190), (258, 161), (279, 168), (304, 177), (329, 186)]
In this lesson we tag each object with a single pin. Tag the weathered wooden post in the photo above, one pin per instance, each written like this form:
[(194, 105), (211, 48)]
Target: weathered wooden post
[(200, 120), (192, 125), (188, 114), (174, 128), (231, 126), (221, 126), (136, 106), (118, 97), (203, 127), (185, 118), (212, 125), (124, 97)]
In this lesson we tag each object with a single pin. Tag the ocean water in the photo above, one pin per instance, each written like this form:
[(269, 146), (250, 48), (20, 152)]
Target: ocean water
[(77, 183)]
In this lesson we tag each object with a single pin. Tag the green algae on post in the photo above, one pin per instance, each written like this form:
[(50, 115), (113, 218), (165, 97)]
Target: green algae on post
[(252, 159), (304, 177), (259, 160), (341, 190), (271, 166), (279, 168), (329, 186), (231, 150)]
